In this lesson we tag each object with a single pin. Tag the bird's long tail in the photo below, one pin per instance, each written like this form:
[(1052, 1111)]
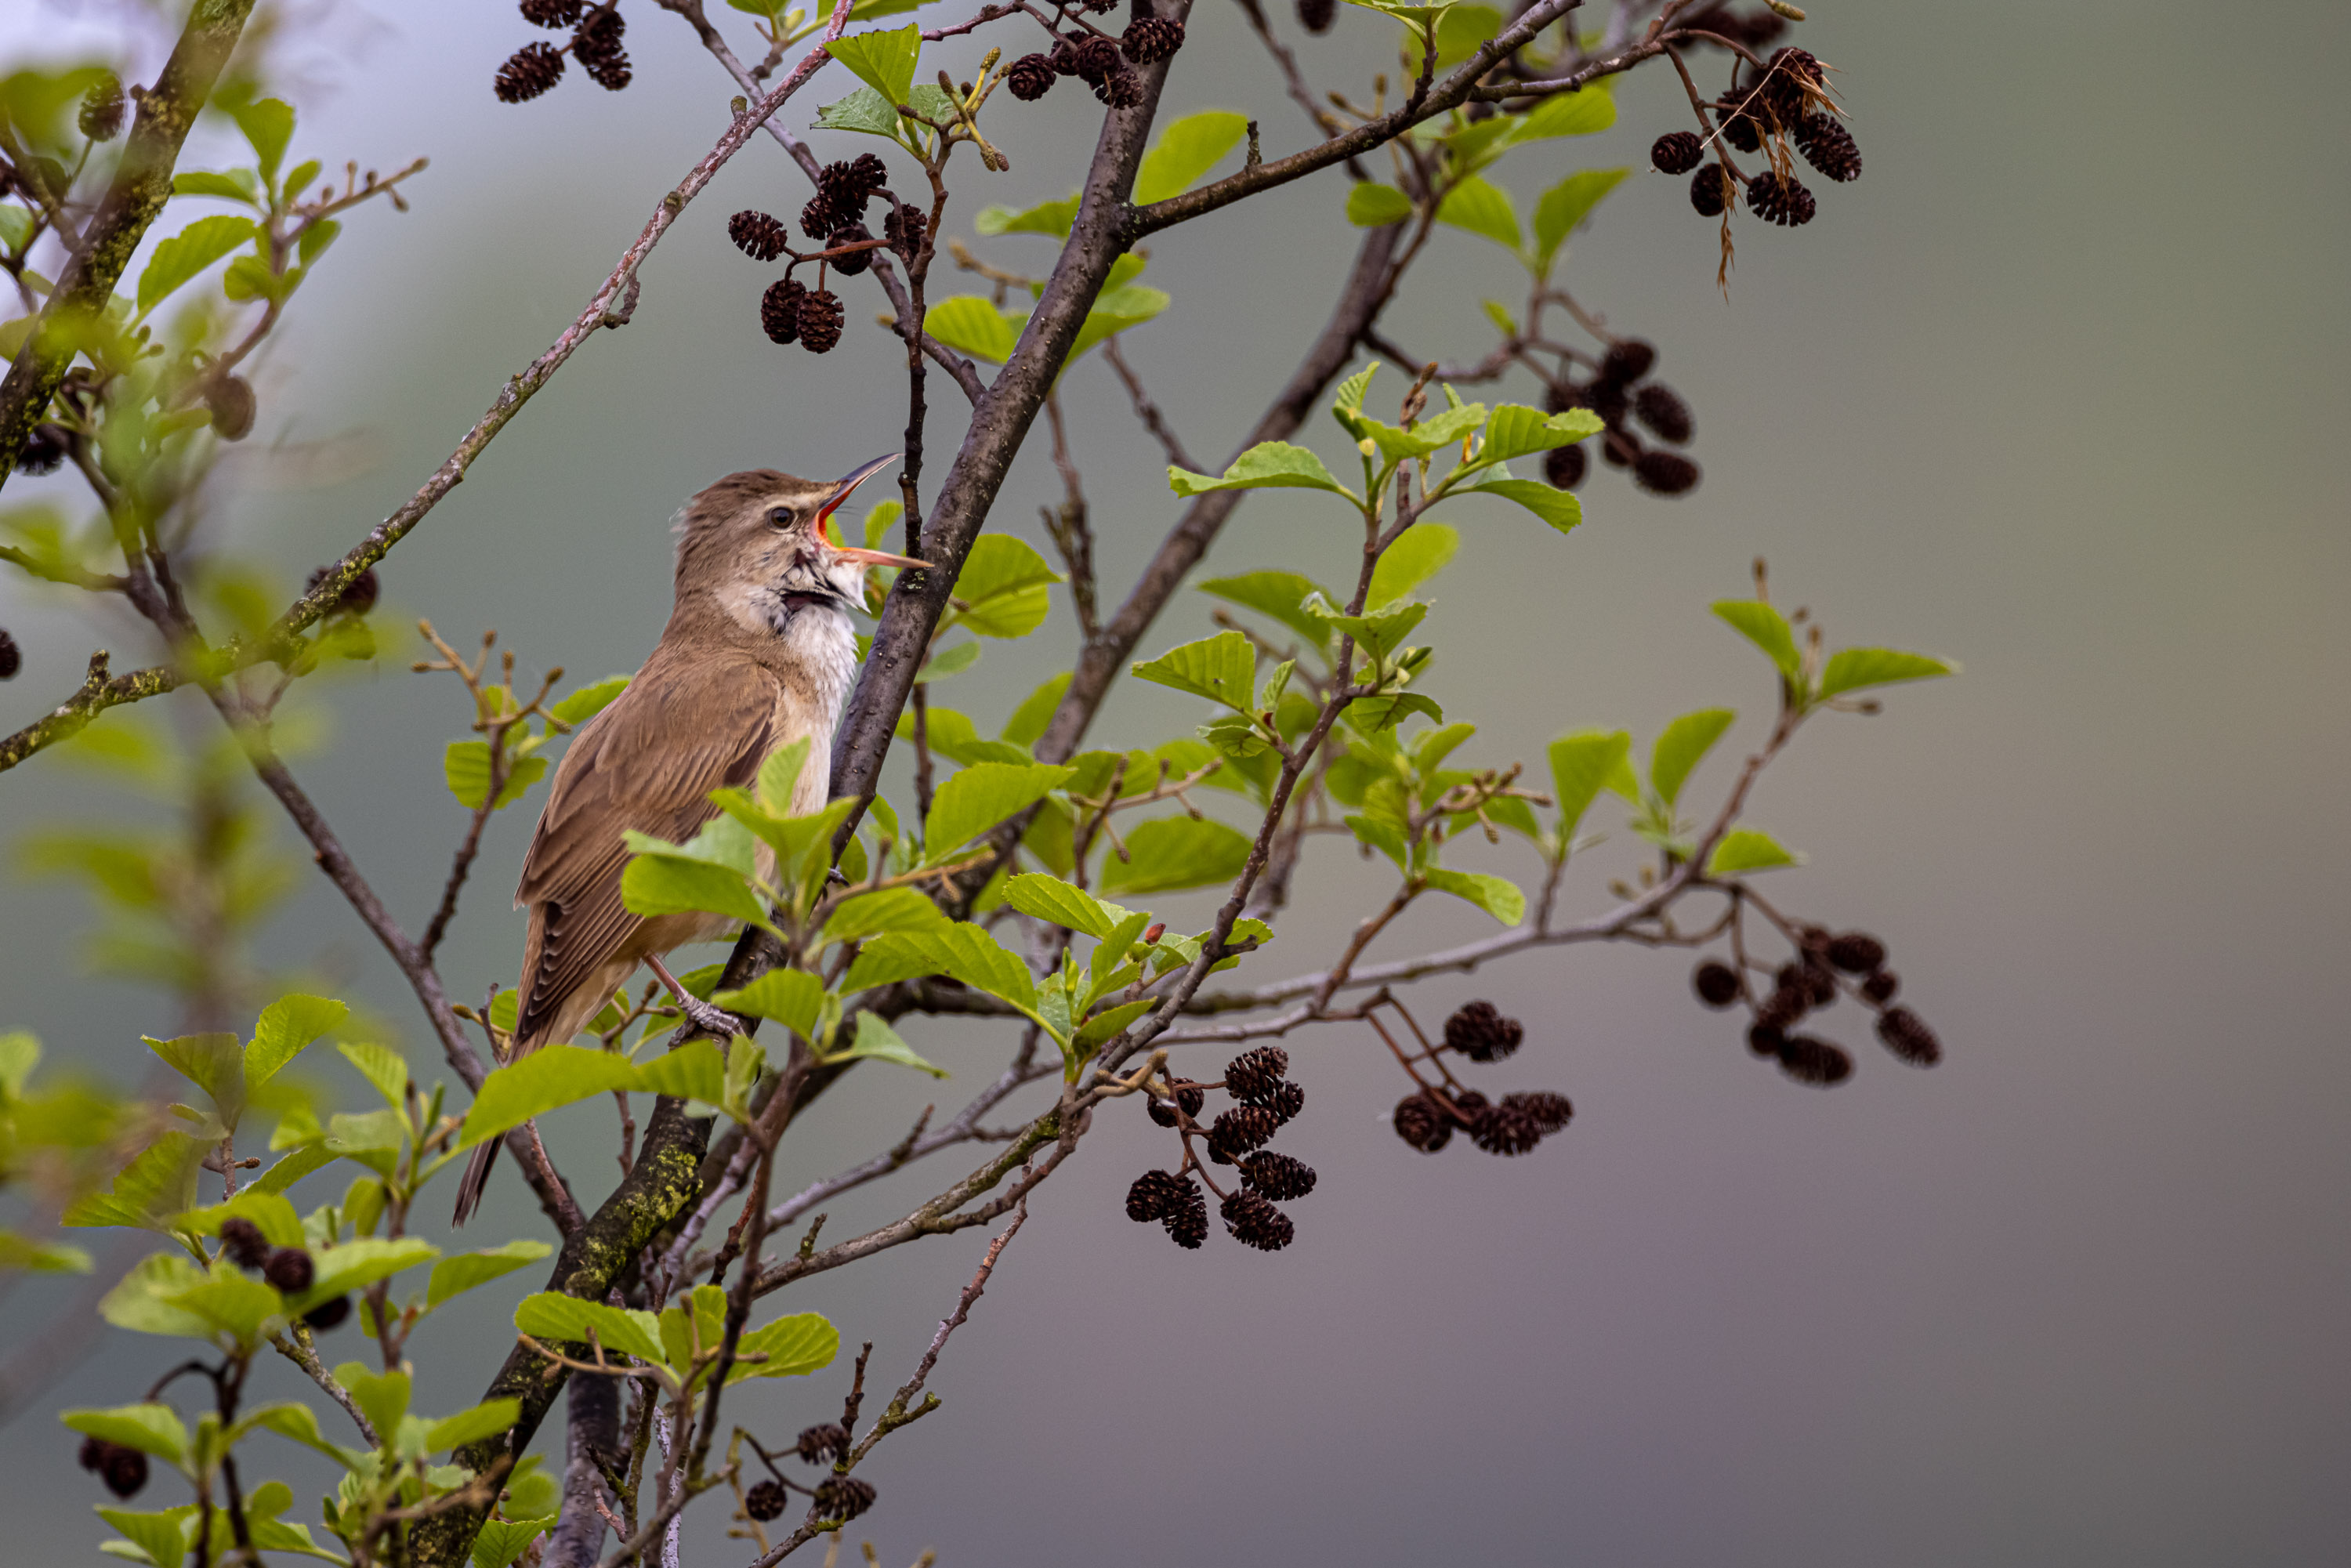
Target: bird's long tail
[(477, 1178)]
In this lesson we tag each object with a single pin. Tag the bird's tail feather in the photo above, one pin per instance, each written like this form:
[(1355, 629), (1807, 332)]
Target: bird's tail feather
[(477, 1178)]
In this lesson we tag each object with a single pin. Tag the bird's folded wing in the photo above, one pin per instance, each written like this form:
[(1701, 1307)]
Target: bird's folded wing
[(649, 763)]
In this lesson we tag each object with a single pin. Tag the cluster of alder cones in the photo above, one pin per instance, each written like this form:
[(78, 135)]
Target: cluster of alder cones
[(1826, 967), (840, 1497), (790, 311), (1785, 106), (1264, 1100), (1429, 1117), (595, 43), (1621, 394), (1103, 63)]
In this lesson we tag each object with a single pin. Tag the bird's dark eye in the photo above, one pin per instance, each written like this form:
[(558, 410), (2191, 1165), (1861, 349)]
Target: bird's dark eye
[(781, 517)]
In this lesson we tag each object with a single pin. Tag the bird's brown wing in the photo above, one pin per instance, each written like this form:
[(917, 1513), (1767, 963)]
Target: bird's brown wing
[(683, 728)]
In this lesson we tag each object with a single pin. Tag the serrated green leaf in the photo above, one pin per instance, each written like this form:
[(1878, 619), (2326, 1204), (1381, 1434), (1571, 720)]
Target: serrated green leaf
[(1269, 465), (143, 1299), (485, 1420), (1681, 744), (160, 1183), (286, 1027), (1053, 218), (1495, 895), (1419, 553), (500, 1542), (1168, 854), (953, 736), (979, 797), (1569, 203), (972, 323), (1372, 205), (42, 1257), (1281, 595), (961, 951), (1222, 668), (465, 768), (1381, 835), (151, 1428), (589, 700), (230, 1302), (665, 884), (268, 125), (188, 253), (877, 1040), (551, 1076), (384, 1069), (1105, 1025), (235, 185), (354, 1265), (553, 1317), (1462, 30), (1116, 309), (1482, 208), (1745, 849), (1560, 508), (1579, 113), (1765, 627), (1371, 715), (160, 1539), (269, 1211), (1382, 633), (793, 998), (1049, 898), (1850, 669), (791, 1346), (214, 1063), (1583, 764), (867, 914), (884, 61), (695, 1070), (1516, 431), (382, 1396), (1187, 148), (1001, 591), (463, 1271)]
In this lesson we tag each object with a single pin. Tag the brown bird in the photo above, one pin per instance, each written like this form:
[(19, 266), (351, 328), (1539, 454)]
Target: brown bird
[(757, 653)]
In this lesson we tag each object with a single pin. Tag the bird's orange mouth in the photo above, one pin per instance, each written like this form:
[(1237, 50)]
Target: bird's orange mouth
[(862, 557)]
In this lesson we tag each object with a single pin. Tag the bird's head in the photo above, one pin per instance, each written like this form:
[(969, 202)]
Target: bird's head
[(755, 542)]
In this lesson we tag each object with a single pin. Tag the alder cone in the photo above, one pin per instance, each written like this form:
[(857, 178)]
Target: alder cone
[(1241, 1129), (1906, 1034), (757, 235), (102, 108), (1095, 61), (1031, 77), (12, 658), (1122, 88), (1187, 1225), (552, 13), (1565, 467), (1254, 1222), (528, 72), (857, 261), (1814, 1061), (1657, 406), (1628, 360), (242, 1243), (1255, 1074), (1505, 1129), (1881, 985), (1620, 448), (1740, 116), (328, 1315), (231, 406), (906, 228), (1278, 1176), (821, 319), (1676, 153), (1781, 199), (289, 1270), (766, 1501), (1712, 191), (1287, 1101), (1829, 147), (1549, 1111), (1478, 1032), (821, 1444), (779, 310), (122, 1469), (1422, 1123), (843, 1497), (1717, 983), (596, 45), (1154, 1195), (1316, 15), (1149, 39), (1856, 953), (1766, 1038)]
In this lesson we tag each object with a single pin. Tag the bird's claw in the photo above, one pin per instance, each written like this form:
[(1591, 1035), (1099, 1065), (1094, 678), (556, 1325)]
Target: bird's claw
[(712, 1020), (834, 878)]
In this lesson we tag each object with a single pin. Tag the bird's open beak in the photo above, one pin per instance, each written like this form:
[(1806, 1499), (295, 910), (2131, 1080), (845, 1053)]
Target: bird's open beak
[(857, 476)]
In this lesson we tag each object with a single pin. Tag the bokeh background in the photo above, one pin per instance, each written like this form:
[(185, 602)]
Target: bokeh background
[(2056, 390)]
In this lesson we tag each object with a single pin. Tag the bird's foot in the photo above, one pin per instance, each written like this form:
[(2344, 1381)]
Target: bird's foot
[(710, 1020)]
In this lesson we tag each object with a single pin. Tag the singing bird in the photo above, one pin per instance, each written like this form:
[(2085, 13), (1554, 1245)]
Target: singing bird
[(759, 653)]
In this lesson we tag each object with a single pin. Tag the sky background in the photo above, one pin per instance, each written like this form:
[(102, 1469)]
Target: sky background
[(2053, 390)]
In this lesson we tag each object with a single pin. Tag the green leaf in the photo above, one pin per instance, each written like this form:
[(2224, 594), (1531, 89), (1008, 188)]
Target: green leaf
[(268, 125), (231, 1302), (235, 186), (887, 909), (465, 766), (1560, 508), (1583, 764), (159, 1184), (355, 1265), (553, 1317), (1382, 633), (884, 61), (695, 1070), (1001, 591), (144, 1299), (1419, 553), (487, 1419), (384, 1069), (151, 1428), (961, 951), (500, 1542), (1745, 849), (1105, 1025), (296, 1423), (463, 1270), (1187, 148), (1496, 897), (1371, 715), (1114, 310), (1579, 113), (778, 780), (1462, 30), (953, 736), (1518, 431), (1168, 854), (1222, 668), (793, 998), (972, 323), (589, 700), (214, 1063), (270, 1211), (1681, 744), (1371, 205), (1049, 898), (160, 1539), (1269, 465), (867, 110), (287, 1026), (877, 1040), (1482, 208), (1850, 669), (551, 1076), (663, 884), (42, 1258), (1028, 723), (1569, 203), (1053, 218), (1280, 596), (1765, 627), (792, 1347), (979, 797), (382, 1396), (188, 253)]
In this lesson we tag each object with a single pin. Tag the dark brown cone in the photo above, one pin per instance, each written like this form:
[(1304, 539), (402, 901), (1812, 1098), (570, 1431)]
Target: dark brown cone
[(43, 450), (757, 234), (1782, 1008), (1255, 1074), (102, 108), (328, 1315), (123, 1470), (233, 407), (766, 1501), (779, 310), (1829, 147), (1423, 1123), (821, 318), (1711, 190), (1191, 1098), (817, 218), (1505, 1129), (1064, 59), (1469, 1103), (1789, 72), (1756, 29), (359, 597), (1766, 1038), (1906, 1034), (1565, 467), (1151, 38), (1238, 1130), (1187, 1223), (1278, 1176), (843, 1497), (822, 1445), (1664, 473), (528, 72), (1657, 406), (242, 1244), (1856, 953), (1095, 61), (596, 45), (867, 174), (1551, 1112), (1478, 1032), (1316, 15), (1814, 984), (1255, 1222), (12, 658), (1717, 983), (552, 13), (1609, 399), (1031, 77), (1742, 117), (1286, 1102), (904, 229), (1155, 1195), (1628, 360), (1620, 448), (1120, 89), (1880, 986), (841, 186), (1814, 1061), (1781, 199), (1676, 153), (855, 262), (289, 1270)]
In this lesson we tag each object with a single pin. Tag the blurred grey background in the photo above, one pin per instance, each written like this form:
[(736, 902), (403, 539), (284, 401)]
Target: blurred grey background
[(2051, 390)]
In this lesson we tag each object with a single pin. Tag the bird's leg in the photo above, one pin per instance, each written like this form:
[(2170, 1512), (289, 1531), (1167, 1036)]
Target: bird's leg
[(710, 1020)]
